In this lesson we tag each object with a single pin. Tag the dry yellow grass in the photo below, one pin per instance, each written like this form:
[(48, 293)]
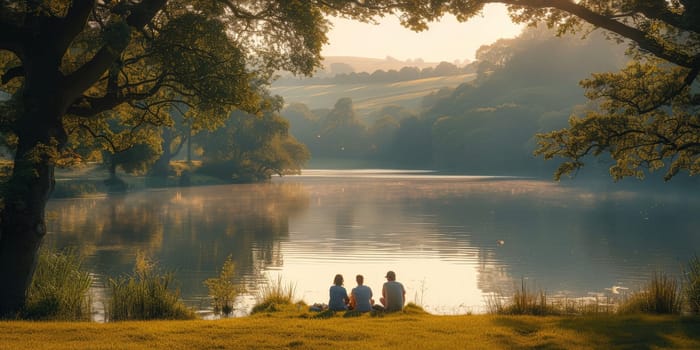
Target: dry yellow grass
[(405, 331)]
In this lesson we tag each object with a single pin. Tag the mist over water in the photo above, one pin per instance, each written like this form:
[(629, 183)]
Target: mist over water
[(452, 240)]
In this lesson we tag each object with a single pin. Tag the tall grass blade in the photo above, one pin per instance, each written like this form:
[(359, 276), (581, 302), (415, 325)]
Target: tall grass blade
[(60, 288)]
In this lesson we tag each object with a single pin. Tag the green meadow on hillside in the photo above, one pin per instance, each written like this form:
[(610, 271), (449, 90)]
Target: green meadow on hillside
[(370, 96)]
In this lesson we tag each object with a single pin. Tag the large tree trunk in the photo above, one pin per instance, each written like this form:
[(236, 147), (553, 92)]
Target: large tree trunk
[(158, 176), (41, 42), (189, 144), (22, 224), (162, 166), (114, 184), (23, 227)]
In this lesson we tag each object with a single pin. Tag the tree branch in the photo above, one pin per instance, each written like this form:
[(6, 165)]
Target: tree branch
[(12, 73), (82, 78), (89, 106), (74, 22), (643, 41), (99, 136), (659, 10)]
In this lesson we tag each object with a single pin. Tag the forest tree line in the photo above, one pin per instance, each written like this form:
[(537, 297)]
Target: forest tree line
[(524, 86), (347, 75)]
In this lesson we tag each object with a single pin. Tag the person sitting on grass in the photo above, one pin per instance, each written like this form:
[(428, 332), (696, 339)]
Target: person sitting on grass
[(393, 293), (338, 295), (361, 296)]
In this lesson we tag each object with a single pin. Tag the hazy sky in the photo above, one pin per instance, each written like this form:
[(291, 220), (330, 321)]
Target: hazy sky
[(447, 40)]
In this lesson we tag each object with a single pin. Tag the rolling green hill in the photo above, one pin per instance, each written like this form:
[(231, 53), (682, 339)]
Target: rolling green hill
[(368, 97)]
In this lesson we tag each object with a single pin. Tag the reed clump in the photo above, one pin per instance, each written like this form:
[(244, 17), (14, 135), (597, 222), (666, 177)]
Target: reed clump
[(661, 295), (522, 302), (145, 295), (276, 296), (60, 288)]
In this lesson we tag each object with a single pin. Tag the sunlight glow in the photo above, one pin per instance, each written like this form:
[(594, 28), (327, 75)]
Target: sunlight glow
[(447, 40)]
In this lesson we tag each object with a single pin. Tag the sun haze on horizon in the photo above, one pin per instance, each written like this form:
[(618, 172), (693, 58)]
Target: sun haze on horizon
[(445, 40)]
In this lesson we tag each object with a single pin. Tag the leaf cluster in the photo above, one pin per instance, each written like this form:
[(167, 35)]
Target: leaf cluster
[(126, 65), (646, 119)]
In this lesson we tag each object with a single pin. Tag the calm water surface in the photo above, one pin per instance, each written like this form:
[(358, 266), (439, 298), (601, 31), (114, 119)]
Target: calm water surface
[(452, 240)]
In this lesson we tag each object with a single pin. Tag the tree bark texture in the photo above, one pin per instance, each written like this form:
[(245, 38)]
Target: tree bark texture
[(22, 221)]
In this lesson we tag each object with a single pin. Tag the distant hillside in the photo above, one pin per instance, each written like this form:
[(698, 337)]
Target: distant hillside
[(333, 65), (371, 96), (369, 65)]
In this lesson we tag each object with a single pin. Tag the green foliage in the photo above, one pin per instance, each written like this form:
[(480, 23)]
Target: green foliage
[(204, 58), (222, 290), (136, 159), (60, 288), (252, 147), (120, 138), (528, 85), (341, 132), (146, 294), (691, 284), (646, 120), (275, 296), (661, 295)]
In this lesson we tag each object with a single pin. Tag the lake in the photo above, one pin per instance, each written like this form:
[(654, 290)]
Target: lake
[(452, 240)]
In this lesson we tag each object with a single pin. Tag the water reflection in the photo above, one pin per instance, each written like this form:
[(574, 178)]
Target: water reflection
[(452, 240), (190, 230)]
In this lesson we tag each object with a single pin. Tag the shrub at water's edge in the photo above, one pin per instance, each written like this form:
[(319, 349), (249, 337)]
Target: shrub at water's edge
[(145, 295), (60, 288), (222, 290)]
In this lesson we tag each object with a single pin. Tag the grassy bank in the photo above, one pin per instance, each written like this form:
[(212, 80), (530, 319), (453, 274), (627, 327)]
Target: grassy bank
[(395, 331)]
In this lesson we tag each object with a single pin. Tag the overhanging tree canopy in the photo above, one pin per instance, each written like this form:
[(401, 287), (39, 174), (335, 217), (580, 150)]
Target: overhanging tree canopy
[(648, 115), (84, 64)]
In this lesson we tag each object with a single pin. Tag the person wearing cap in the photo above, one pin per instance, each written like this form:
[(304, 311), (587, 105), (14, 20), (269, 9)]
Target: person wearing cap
[(361, 296), (338, 295), (393, 293)]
